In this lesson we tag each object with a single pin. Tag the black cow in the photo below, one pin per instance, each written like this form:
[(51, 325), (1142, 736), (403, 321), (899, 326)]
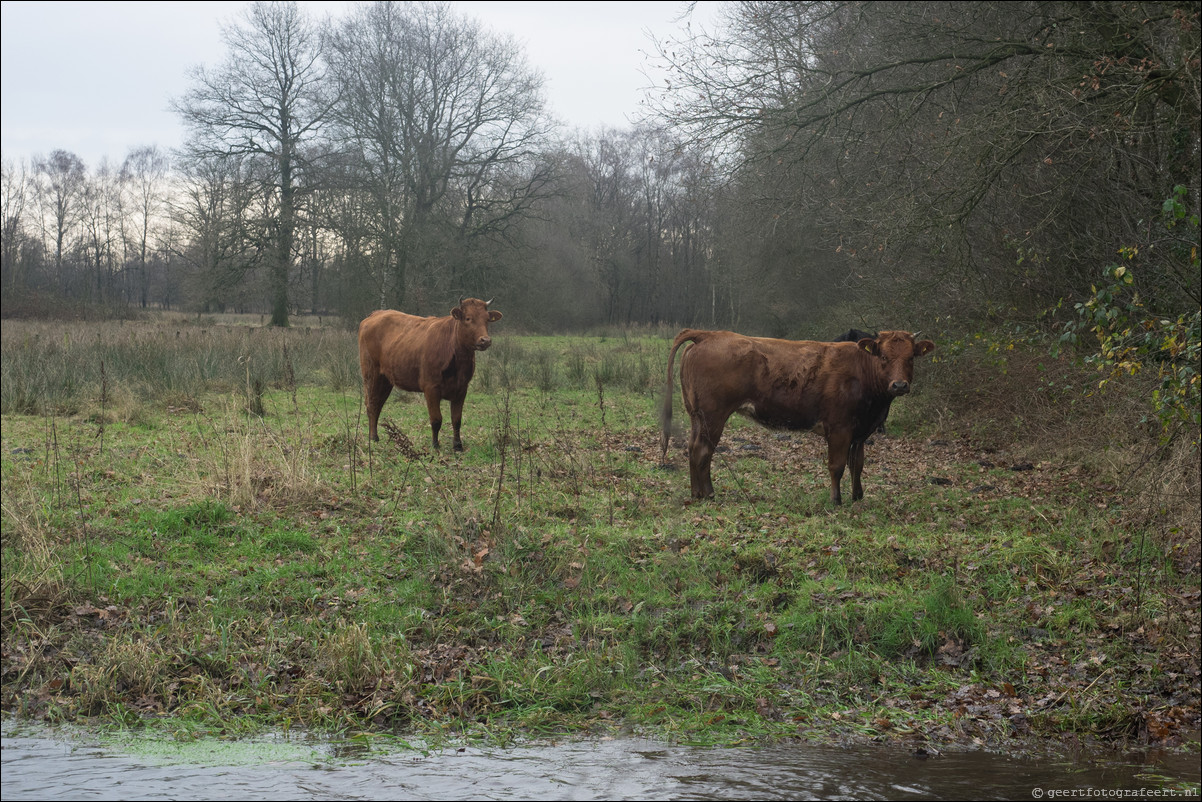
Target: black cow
[(854, 336)]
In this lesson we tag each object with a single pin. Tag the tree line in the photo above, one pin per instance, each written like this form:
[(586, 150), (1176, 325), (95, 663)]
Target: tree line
[(802, 163)]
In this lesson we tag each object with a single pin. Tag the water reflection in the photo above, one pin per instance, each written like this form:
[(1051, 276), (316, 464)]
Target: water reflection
[(39, 764)]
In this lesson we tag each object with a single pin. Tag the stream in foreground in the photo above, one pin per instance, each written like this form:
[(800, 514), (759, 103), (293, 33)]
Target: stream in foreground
[(40, 763)]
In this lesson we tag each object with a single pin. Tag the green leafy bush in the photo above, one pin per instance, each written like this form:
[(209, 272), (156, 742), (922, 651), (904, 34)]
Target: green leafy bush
[(1134, 338)]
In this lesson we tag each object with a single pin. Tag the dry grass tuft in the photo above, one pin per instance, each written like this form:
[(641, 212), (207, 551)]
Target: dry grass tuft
[(1165, 484), (33, 580), (350, 661), (124, 668)]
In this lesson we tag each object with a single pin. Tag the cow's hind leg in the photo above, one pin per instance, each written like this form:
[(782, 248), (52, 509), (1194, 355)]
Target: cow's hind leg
[(375, 392), (433, 405), (703, 440)]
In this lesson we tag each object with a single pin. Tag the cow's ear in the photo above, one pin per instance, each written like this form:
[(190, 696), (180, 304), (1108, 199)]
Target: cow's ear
[(494, 316), (870, 345), (923, 347), (457, 313)]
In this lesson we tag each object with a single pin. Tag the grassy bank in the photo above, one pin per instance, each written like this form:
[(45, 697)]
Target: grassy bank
[(197, 533)]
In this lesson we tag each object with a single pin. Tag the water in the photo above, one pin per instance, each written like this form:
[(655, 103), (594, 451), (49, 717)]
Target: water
[(44, 764)]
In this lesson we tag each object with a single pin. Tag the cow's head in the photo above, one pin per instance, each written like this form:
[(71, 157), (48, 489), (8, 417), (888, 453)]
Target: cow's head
[(474, 316), (896, 350)]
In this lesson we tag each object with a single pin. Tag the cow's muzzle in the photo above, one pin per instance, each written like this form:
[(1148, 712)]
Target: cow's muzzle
[(483, 343), (899, 388)]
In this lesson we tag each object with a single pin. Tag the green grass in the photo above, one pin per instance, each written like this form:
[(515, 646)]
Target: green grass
[(172, 556)]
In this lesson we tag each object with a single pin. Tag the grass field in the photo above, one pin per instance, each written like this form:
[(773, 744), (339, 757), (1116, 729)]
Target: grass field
[(198, 535)]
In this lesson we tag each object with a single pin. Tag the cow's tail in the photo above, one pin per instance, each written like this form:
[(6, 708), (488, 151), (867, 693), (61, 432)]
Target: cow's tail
[(665, 412)]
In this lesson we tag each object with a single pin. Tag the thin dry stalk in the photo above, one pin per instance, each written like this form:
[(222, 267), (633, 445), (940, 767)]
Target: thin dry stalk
[(503, 445)]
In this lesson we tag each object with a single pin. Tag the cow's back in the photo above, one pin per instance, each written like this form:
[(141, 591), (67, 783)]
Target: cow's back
[(722, 371), (758, 365), (781, 383), (397, 345)]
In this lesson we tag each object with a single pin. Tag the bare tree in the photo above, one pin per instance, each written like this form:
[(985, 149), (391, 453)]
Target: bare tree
[(1009, 148), (62, 182), (607, 169), (268, 99), (221, 238), (630, 234), (102, 217), (447, 124), (15, 198), (144, 176)]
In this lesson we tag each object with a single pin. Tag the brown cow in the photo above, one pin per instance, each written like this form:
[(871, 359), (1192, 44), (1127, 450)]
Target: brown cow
[(435, 356), (844, 387)]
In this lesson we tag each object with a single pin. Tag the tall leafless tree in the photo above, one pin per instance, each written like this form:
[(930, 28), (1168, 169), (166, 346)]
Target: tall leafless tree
[(14, 203), (1006, 148), (447, 123), (102, 217), (268, 99), (222, 239), (144, 176), (62, 183)]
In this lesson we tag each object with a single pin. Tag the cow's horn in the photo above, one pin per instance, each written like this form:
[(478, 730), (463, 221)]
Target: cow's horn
[(489, 301)]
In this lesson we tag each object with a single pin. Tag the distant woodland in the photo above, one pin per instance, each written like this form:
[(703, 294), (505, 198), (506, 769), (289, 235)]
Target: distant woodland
[(800, 165)]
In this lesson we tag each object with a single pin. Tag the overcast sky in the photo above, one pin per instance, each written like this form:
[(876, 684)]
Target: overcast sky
[(97, 78)]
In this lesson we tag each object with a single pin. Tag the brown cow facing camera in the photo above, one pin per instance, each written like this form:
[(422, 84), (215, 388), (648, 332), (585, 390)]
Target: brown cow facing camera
[(790, 384), (434, 356)]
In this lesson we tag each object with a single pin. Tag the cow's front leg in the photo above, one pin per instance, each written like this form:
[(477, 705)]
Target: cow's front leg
[(838, 445), (433, 405), (457, 421)]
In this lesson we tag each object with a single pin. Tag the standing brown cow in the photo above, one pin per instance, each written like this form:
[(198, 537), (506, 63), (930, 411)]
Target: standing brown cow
[(435, 356), (845, 387)]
